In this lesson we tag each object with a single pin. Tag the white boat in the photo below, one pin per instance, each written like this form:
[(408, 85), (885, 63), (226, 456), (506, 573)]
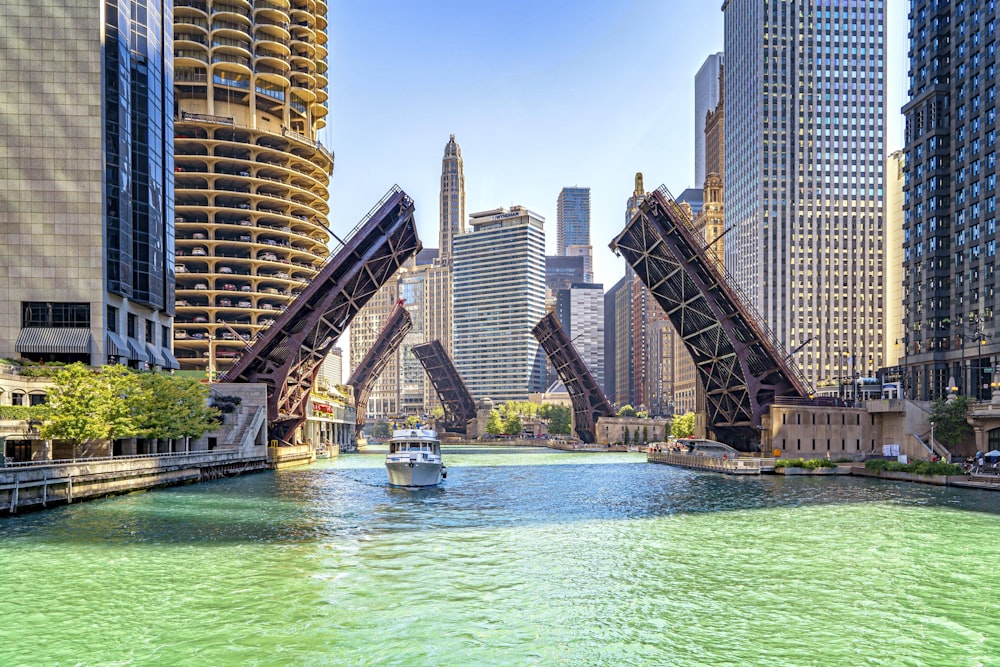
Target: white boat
[(414, 458)]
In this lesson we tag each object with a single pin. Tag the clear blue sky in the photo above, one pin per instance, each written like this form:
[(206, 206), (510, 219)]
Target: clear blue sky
[(540, 95)]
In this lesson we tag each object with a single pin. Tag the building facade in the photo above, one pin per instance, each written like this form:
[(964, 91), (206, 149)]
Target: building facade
[(251, 176), (86, 172), (580, 310), (499, 296), (707, 93), (383, 400), (949, 201), (805, 146)]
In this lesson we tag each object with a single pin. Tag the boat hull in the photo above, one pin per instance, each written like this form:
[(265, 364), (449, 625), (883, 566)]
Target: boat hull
[(414, 473)]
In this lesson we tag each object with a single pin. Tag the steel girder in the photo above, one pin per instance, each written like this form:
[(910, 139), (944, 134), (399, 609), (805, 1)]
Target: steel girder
[(459, 408), (364, 377), (740, 363), (286, 356), (589, 402)]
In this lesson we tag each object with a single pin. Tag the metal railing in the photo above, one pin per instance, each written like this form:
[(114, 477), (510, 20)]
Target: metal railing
[(123, 457), (740, 466)]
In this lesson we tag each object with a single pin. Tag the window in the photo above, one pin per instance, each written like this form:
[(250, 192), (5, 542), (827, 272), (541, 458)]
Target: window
[(132, 323), (55, 315), (112, 319), (150, 331)]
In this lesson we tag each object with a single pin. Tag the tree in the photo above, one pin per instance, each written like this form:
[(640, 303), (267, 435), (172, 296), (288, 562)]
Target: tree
[(412, 421), (86, 404), (381, 430), (625, 435), (683, 425), (172, 407), (626, 411), (560, 419), (645, 433), (635, 439), (512, 424), (437, 412), (950, 426), (493, 424)]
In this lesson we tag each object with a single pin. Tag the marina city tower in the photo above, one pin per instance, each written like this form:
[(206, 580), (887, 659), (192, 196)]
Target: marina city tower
[(251, 177)]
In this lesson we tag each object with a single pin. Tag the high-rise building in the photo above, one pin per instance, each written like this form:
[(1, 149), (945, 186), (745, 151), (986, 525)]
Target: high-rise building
[(804, 174), (251, 176), (572, 219), (893, 342), (949, 201), (714, 135), (452, 213), (499, 296), (412, 378), (86, 176), (707, 93), (580, 310), (661, 334), (331, 371)]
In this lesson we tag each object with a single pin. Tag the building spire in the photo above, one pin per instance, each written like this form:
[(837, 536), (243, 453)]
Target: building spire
[(639, 191), (452, 220)]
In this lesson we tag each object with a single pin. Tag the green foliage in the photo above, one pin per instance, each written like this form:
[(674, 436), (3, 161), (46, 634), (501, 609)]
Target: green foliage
[(413, 421), (23, 411), (918, 467), (512, 424), (173, 407), (642, 414), (635, 437), (950, 426), (381, 430), (625, 435), (560, 419), (645, 433), (682, 425), (437, 412), (811, 464), (92, 404), (626, 411), (494, 426)]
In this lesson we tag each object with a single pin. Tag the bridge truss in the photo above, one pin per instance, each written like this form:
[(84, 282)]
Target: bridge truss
[(589, 402), (286, 356), (459, 408), (740, 363), (366, 375)]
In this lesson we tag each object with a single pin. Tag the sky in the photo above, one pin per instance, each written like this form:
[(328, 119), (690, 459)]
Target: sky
[(539, 94)]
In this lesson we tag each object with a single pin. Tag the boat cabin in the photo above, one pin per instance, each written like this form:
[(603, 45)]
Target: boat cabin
[(415, 440)]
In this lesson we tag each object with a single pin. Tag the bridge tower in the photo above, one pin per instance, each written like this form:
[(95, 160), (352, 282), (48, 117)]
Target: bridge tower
[(459, 408), (364, 377), (740, 362), (286, 356), (589, 402)]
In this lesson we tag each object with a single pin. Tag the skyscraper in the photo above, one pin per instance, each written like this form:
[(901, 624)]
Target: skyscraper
[(580, 310), (86, 182), (499, 297), (572, 219), (251, 176), (452, 213), (805, 146), (949, 201), (707, 92)]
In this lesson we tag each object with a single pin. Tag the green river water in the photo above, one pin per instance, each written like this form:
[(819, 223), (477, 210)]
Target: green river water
[(522, 557)]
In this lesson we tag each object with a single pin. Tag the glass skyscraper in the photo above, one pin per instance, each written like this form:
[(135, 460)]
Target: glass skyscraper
[(572, 219), (805, 155)]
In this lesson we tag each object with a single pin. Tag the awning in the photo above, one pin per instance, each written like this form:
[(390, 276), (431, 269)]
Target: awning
[(39, 340), (155, 356), (117, 347), (170, 359), (135, 352)]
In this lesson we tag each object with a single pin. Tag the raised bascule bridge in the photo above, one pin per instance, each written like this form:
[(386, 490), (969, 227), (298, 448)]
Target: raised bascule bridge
[(459, 407), (287, 355), (589, 402), (740, 362), (366, 375)]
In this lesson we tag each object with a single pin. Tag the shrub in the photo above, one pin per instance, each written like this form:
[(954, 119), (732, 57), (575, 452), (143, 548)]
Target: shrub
[(21, 411), (918, 467), (815, 464), (789, 463)]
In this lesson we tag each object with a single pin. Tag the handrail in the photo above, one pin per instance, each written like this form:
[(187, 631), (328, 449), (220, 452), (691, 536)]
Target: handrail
[(123, 457)]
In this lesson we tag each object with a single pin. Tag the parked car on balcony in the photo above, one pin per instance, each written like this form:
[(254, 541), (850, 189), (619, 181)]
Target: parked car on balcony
[(180, 268), (268, 256), (229, 287), (199, 251), (244, 304), (200, 319), (180, 334), (225, 303), (225, 269), (201, 286)]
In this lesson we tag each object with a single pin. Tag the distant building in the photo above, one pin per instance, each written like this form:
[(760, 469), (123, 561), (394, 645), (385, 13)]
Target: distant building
[(383, 401), (580, 310), (707, 93), (452, 209), (86, 176), (611, 342), (331, 371), (572, 219), (563, 271), (499, 296), (894, 341)]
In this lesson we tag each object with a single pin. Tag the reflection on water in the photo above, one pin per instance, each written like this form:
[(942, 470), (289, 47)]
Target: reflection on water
[(520, 557)]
